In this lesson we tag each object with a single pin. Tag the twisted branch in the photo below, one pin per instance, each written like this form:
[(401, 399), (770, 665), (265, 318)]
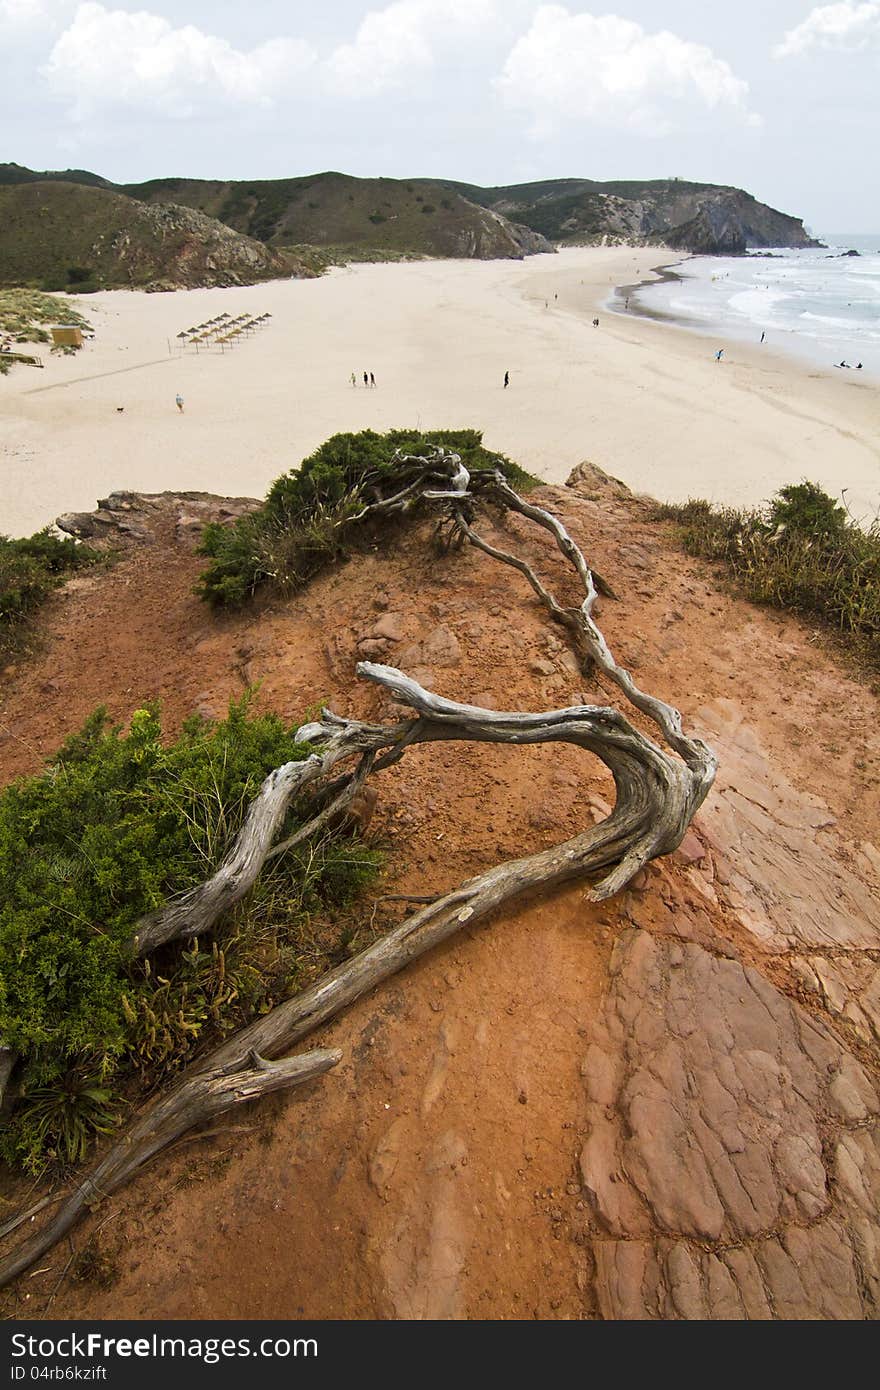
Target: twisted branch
[(658, 793)]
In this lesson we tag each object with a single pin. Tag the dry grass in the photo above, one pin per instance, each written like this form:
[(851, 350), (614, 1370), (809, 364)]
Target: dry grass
[(802, 552)]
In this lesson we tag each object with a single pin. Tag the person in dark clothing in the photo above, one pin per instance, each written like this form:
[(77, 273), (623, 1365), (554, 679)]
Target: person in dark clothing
[(366, 379), (506, 380), (372, 379)]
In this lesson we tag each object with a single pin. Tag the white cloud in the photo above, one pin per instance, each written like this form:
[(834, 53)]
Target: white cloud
[(846, 26), (110, 58), (609, 70), (402, 42), (116, 58)]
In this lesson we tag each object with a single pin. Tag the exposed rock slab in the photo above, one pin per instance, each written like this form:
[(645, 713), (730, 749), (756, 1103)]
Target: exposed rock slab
[(711, 1101), (782, 879), (137, 518)]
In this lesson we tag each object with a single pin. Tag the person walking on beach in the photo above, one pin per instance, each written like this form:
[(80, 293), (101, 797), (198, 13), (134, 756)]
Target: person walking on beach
[(366, 379), (719, 354), (354, 380), (506, 380), (178, 401), (762, 337), (372, 379)]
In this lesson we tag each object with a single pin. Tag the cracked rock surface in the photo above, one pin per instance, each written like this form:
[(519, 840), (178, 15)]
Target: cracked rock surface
[(731, 1160)]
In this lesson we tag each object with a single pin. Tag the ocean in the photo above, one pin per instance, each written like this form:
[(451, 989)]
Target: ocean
[(819, 304)]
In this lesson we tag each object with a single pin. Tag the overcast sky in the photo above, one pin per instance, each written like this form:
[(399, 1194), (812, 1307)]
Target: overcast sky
[(777, 96)]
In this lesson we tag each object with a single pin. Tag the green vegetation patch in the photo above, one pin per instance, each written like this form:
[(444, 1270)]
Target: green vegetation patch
[(30, 569), (306, 522), (24, 315), (802, 552), (117, 823)]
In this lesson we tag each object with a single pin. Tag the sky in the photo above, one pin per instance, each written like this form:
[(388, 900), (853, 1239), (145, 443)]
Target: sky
[(780, 97)]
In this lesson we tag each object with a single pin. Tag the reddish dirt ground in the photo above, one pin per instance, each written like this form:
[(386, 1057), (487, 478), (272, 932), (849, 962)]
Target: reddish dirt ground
[(437, 1172)]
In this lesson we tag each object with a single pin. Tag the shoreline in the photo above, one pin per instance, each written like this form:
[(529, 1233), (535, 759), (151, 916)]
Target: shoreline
[(646, 404), (663, 274), (793, 347)]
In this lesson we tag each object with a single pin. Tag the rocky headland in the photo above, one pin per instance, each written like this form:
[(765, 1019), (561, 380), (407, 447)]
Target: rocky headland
[(663, 1106)]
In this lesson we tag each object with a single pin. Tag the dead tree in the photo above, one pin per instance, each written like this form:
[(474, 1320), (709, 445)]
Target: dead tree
[(658, 791)]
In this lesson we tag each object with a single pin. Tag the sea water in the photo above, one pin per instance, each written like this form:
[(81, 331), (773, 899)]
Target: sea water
[(818, 303)]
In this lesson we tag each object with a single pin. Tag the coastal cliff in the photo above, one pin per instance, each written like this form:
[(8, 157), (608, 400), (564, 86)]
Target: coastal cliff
[(701, 218)]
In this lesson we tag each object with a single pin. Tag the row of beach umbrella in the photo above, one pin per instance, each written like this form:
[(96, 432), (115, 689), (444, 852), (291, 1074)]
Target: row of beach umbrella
[(221, 331)]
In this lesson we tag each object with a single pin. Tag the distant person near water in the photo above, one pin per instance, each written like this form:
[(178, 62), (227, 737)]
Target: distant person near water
[(354, 380), (366, 379), (506, 380), (595, 323), (719, 354), (762, 337), (372, 379), (178, 401)]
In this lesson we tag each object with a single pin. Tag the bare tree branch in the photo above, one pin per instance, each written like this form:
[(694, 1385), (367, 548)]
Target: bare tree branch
[(658, 793)]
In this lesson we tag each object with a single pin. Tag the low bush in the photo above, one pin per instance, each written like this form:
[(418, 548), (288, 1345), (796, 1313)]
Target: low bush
[(801, 552), (30, 569), (115, 825), (303, 525)]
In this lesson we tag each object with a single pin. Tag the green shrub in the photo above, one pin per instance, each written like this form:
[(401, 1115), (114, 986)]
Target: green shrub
[(805, 509), (801, 552), (116, 824), (303, 524), (29, 570)]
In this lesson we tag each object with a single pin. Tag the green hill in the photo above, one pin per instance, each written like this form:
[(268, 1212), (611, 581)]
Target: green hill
[(338, 215), (58, 235), (414, 217), (17, 173)]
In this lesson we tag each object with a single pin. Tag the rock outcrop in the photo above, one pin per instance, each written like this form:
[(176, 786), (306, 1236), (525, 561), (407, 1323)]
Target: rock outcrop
[(703, 218), (733, 1161), (126, 519)]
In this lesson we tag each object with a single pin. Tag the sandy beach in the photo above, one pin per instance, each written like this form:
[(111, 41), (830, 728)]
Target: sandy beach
[(644, 400)]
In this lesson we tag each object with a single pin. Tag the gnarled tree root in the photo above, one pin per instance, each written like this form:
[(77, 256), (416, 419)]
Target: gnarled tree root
[(201, 1097), (658, 793), (656, 799)]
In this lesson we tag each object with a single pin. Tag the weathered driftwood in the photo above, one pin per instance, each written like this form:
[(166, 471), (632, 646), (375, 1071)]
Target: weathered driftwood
[(657, 794), (202, 1097)]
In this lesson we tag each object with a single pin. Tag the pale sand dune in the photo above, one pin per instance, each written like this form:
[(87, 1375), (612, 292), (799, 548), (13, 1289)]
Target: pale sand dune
[(646, 402)]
